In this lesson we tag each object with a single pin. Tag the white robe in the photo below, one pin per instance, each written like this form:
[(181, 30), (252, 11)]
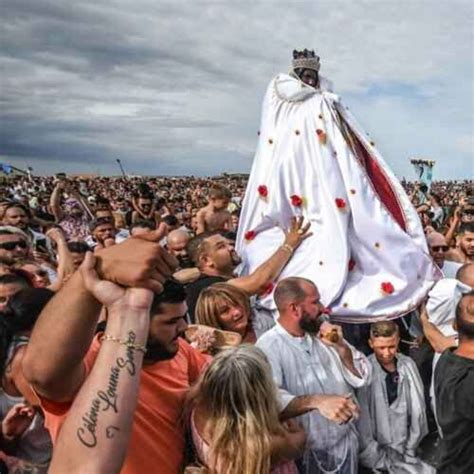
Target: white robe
[(292, 160), (306, 366), (390, 434), (441, 309)]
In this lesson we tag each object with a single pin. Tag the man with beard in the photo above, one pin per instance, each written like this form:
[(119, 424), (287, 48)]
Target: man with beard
[(464, 251), (316, 371), (18, 215), (64, 336), (216, 259)]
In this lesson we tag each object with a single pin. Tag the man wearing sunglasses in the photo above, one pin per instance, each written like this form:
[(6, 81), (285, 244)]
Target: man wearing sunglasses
[(13, 245), (438, 250)]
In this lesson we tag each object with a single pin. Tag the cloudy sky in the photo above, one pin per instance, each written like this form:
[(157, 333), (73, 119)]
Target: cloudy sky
[(175, 87)]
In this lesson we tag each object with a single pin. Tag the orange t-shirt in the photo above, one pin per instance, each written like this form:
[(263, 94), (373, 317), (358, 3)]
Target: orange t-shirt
[(157, 439)]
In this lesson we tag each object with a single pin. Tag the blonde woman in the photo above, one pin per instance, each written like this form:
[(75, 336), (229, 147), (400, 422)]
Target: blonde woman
[(226, 307), (234, 417)]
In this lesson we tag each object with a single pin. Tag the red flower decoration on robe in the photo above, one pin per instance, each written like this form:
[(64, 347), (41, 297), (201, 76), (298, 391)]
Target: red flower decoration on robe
[(250, 235), (387, 287), (321, 135), (268, 289), (296, 200), (262, 191), (340, 203), (351, 265)]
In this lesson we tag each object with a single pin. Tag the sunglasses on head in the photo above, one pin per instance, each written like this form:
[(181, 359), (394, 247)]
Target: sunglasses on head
[(438, 248), (12, 245)]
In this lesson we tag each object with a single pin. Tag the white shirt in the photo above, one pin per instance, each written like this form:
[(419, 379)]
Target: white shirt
[(307, 366)]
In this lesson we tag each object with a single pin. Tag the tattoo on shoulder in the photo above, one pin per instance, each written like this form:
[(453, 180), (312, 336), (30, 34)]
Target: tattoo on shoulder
[(106, 399)]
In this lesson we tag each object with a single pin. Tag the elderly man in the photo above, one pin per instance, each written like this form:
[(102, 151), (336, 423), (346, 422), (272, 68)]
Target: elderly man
[(438, 250), (217, 259), (316, 373), (176, 244)]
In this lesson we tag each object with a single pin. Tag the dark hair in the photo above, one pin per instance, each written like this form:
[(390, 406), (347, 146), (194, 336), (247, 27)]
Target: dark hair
[(170, 220), (465, 326), (20, 206), (143, 223), (173, 292), (78, 247), (21, 314), (466, 227), (195, 246), (229, 235), (100, 221)]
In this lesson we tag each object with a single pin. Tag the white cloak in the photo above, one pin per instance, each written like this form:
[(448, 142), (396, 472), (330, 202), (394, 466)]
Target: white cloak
[(312, 148), (390, 434)]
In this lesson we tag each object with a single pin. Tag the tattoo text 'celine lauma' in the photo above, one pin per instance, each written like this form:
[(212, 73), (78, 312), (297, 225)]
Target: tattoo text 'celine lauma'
[(107, 399)]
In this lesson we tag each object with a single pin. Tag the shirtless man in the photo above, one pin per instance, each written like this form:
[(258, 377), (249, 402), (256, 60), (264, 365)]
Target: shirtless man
[(215, 215), (145, 209), (464, 251)]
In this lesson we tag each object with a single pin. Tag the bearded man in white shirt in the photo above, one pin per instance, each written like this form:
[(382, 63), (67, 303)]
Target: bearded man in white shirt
[(316, 371)]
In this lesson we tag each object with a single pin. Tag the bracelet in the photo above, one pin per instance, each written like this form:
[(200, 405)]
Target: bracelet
[(124, 342), (288, 248)]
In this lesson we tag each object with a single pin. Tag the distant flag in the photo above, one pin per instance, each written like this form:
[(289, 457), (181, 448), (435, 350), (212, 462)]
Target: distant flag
[(7, 169)]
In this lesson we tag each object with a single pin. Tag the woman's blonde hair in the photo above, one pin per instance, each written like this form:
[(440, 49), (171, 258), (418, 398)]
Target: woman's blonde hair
[(239, 399), (214, 300)]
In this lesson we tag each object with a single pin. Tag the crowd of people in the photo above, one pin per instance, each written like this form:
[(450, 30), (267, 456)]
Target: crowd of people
[(130, 342)]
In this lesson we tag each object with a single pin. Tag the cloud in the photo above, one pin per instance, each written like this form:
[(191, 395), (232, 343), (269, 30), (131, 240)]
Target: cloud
[(176, 87)]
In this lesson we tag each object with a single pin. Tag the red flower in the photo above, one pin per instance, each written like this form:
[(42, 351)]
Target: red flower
[(340, 203), (296, 200), (268, 289), (321, 135), (387, 287), (262, 190), (351, 265), (250, 235)]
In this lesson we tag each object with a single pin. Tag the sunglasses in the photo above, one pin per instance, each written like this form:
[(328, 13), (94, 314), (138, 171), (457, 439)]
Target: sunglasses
[(12, 245), (440, 248)]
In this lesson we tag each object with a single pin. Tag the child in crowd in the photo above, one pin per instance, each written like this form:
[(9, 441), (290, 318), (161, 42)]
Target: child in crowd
[(393, 419), (215, 215)]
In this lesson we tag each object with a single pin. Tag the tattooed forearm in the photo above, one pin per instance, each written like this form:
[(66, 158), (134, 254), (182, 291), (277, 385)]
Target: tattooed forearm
[(107, 399)]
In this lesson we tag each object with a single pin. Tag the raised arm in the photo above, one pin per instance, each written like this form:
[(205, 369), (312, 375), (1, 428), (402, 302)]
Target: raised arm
[(454, 225), (60, 340), (80, 199), (201, 222), (435, 337), (64, 331), (55, 201), (111, 389), (271, 268), (64, 258)]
